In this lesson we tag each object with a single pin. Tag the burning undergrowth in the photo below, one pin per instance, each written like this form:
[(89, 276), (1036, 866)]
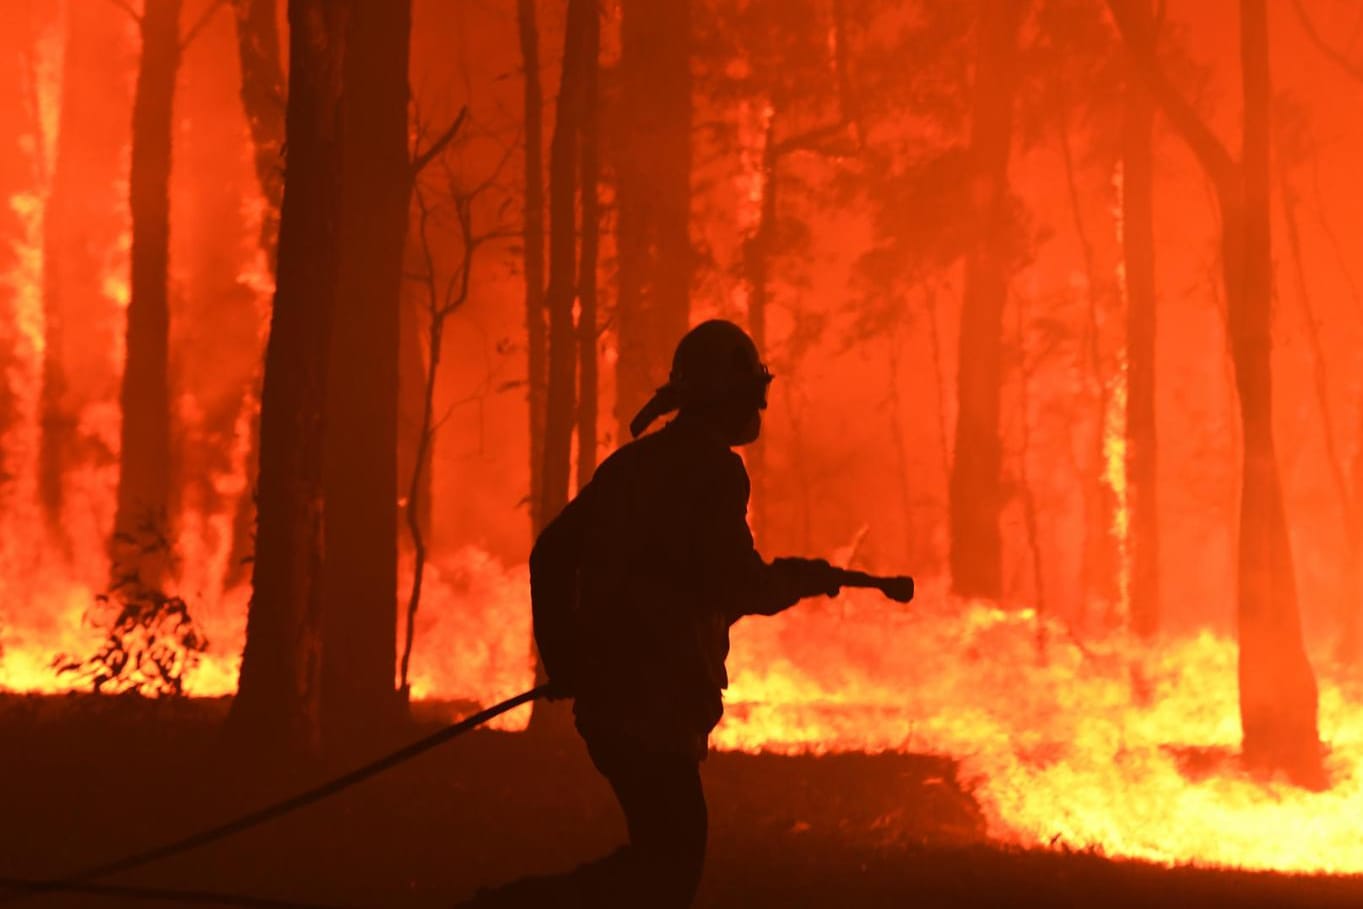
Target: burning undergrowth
[(1088, 746), (1099, 744)]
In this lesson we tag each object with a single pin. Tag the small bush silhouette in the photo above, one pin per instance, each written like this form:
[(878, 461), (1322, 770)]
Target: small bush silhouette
[(152, 641)]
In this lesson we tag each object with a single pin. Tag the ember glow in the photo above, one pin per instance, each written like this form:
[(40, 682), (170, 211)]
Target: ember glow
[(1069, 731)]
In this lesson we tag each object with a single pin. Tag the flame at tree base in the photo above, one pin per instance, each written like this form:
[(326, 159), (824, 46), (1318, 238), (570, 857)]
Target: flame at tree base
[(1110, 745)]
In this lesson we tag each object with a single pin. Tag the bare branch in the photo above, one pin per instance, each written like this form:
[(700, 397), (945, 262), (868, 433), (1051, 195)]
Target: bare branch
[(1139, 38), (204, 18), (127, 7), (424, 158), (1354, 70)]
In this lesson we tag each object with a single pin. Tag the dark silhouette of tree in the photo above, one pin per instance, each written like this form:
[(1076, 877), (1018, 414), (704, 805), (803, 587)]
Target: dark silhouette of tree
[(790, 62), (1278, 708), (533, 254), (653, 193), (587, 329), (442, 297), (262, 98), (279, 694), (562, 289), (976, 488), (1138, 256), (564, 341), (81, 230), (144, 455), (361, 423)]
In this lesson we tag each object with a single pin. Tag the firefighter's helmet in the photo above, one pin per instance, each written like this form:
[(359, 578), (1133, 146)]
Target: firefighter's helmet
[(716, 364)]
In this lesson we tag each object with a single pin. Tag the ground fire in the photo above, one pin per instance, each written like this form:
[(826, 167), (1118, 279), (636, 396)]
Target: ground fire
[(315, 314)]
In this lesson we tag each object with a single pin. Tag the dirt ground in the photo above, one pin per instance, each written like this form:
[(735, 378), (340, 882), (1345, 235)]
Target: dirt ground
[(88, 779)]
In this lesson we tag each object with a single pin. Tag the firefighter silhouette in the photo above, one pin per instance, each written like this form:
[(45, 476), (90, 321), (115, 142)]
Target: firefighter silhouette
[(634, 586)]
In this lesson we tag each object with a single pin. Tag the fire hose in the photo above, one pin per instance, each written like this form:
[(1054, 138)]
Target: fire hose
[(82, 881), (900, 589)]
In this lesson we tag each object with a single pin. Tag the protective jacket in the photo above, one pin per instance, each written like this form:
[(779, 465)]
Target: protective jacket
[(635, 584)]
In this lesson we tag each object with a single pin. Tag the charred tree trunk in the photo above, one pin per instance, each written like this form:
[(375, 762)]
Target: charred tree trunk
[(262, 98), (537, 379), (757, 254), (1138, 251), (591, 236), (144, 465), (563, 174), (653, 169), (361, 471), (1278, 698), (976, 488), (81, 231), (278, 697), (563, 157), (1278, 707)]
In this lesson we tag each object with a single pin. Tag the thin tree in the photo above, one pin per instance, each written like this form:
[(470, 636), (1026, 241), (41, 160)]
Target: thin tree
[(262, 98), (653, 192), (1138, 260), (279, 694), (562, 290), (533, 254), (144, 455), (976, 486), (442, 299), (837, 137), (587, 330), (1278, 706)]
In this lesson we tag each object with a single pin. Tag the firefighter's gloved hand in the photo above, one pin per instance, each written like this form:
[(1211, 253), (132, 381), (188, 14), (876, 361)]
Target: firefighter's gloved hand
[(811, 577), (559, 690)]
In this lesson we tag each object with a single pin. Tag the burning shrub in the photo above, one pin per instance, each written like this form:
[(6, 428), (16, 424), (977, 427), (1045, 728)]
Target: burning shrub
[(152, 641)]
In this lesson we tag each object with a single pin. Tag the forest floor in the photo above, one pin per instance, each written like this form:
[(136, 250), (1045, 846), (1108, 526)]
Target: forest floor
[(89, 779)]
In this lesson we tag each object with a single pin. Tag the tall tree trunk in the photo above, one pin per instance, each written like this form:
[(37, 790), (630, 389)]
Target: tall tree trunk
[(1278, 708), (591, 235), (537, 378), (1278, 698), (278, 697), (976, 489), (563, 156), (144, 464), (262, 98), (559, 414), (653, 168), (1138, 251), (361, 471), (81, 231), (757, 255)]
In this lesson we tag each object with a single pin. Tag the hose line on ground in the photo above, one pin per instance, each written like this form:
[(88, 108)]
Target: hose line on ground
[(80, 881)]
